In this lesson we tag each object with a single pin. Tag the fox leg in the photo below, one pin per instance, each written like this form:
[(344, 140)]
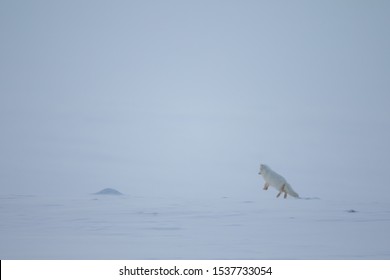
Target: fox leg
[(285, 192), (282, 190), (266, 186)]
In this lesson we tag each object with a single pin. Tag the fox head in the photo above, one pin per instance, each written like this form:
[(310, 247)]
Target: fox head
[(262, 167)]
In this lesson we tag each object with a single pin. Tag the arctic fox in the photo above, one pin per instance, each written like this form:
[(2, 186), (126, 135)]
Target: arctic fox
[(277, 181)]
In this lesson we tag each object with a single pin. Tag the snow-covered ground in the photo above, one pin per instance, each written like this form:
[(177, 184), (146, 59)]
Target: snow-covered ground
[(151, 227)]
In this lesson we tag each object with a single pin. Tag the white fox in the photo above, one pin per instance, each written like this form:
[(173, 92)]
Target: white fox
[(277, 181)]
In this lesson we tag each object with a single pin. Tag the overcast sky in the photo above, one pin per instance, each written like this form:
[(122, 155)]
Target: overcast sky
[(189, 97)]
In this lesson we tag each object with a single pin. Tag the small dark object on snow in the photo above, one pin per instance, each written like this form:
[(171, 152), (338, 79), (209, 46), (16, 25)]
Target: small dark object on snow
[(109, 191), (351, 211)]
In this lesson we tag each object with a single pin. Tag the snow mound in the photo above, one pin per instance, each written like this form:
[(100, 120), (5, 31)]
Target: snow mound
[(109, 191)]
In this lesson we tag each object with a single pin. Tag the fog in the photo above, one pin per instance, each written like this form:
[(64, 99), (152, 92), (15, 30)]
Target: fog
[(189, 97)]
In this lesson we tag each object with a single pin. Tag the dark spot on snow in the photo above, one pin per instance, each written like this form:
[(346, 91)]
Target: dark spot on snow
[(109, 191), (351, 211)]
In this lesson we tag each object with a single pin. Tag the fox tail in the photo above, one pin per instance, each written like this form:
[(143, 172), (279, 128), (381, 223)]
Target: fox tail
[(291, 192)]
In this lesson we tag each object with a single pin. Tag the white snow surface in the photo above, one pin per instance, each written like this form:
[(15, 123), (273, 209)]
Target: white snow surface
[(152, 227)]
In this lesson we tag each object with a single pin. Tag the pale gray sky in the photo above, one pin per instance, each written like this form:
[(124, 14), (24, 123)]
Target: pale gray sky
[(189, 97)]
